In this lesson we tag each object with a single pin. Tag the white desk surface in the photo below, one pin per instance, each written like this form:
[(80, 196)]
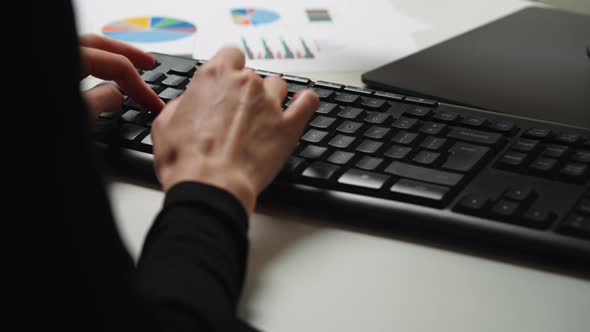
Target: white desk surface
[(305, 275)]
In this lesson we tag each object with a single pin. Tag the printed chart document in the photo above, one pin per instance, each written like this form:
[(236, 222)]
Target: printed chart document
[(294, 36), (164, 26)]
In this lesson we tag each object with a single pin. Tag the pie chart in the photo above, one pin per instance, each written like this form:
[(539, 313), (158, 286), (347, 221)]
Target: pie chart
[(253, 16), (149, 29)]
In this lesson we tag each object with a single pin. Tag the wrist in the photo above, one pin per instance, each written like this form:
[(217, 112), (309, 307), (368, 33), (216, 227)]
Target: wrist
[(231, 181)]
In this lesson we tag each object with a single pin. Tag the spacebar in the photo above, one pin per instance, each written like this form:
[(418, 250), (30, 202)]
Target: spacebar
[(424, 174)]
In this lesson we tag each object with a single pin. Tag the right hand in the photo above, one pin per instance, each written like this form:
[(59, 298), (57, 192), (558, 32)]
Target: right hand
[(228, 129)]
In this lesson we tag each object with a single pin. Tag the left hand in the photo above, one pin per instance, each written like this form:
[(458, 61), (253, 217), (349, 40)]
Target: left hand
[(109, 59)]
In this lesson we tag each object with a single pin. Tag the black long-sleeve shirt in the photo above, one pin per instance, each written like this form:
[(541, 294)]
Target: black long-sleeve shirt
[(63, 266)]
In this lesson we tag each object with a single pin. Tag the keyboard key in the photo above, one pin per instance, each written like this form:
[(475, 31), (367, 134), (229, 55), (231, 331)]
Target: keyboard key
[(356, 89), (519, 193), (475, 136), (322, 122), (473, 204), (175, 81), (377, 117), (313, 152), (320, 170), (131, 115), (539, 218), (405, 123), (369, 146), (132, 104), (292, 166), (154, 77), (474, 121), (130, 132), (417, 111), (374, 103), (291, 78), (341, 157), (314, 136), (377, 132), (543, 165), (569, 139), (583, 207), (423, 101), (183, 70), (342, 141), (577, 225), (505, 209), (424, 174), (512, 160), (446, 116), (555, 151), (575, 172), (433, 128), (433, 143), (170, 93), (538, 133), (363, 179), (505, 127), (323, 93), (389, 95), (426, 157), (326, 108), (350, 112), (349, 127), (398, 152), (463, 157), (147, 141), (294, 88), (347, 98), (404, 137), (581, 156), (525, 145), (416, 190), (156, 88), (328, 85), (109, 115), (369, 163)]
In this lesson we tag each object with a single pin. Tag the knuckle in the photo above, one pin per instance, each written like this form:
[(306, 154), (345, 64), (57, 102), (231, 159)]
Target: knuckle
[(254, 80), (208, 69), (91, 38)]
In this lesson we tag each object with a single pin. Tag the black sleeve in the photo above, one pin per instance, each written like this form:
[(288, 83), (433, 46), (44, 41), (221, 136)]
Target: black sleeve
[(193, 261), (64, 265)]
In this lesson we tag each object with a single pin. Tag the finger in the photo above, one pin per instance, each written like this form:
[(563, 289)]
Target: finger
[(298, 114), (109, 66), (103, 98), (276, 88), (139, 58), (229, 57)]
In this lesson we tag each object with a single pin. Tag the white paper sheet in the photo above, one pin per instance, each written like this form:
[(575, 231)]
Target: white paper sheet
[(337, 35), (359, 35), (93, 16)]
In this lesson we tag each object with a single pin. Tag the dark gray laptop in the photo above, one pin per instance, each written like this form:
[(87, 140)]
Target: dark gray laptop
[(533, 63)]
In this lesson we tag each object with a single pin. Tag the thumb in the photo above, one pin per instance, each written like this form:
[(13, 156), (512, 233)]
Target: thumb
[(104, 97), (300, 110)]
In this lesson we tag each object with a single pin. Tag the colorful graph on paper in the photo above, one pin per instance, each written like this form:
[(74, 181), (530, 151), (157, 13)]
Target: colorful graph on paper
[(277, 49), (318, 15), (253, 16), (149, 29)]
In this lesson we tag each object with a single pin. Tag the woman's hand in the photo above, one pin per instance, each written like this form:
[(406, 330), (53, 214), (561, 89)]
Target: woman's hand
[(112, 60), (228, 129)]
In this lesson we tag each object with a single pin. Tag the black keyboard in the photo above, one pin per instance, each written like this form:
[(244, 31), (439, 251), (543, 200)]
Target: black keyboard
[(405, 162)]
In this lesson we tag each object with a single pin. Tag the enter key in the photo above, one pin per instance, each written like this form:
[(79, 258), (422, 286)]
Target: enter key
[(463, 157)]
